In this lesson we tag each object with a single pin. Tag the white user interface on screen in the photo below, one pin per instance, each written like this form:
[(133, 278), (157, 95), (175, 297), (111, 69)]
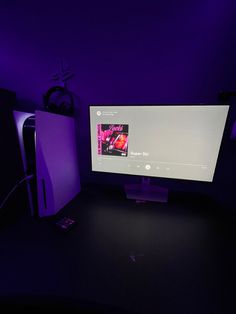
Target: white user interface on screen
[(169, 141)]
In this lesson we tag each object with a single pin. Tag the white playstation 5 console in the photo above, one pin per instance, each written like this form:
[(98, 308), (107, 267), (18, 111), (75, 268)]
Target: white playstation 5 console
[(49, 151)]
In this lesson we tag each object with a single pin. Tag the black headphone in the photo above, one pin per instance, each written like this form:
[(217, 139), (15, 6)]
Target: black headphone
[(64, 107)]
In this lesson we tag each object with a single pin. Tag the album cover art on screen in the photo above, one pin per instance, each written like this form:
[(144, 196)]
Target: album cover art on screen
[(112, 139)]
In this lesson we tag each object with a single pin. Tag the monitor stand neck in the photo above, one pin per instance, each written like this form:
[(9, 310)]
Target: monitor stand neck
[(145, 191)]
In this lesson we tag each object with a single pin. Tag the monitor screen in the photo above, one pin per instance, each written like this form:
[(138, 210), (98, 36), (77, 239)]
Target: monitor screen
[(168, 141)]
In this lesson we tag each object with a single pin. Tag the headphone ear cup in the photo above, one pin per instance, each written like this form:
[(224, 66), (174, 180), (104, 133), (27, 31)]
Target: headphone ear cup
[(50, 106), (65, 107), (45, 101)]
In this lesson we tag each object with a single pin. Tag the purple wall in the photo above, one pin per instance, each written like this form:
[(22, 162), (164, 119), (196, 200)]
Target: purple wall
[(121, 52), (171, 51)]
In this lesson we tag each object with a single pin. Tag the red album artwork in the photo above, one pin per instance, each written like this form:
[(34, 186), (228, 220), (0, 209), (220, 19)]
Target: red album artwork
[(112, 139)]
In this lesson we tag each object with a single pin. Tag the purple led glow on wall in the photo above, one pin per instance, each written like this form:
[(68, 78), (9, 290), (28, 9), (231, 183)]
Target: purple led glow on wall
[(129, 51), (233, 133)]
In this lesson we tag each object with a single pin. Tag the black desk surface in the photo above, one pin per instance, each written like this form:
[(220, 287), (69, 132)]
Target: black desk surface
[(177, 257)]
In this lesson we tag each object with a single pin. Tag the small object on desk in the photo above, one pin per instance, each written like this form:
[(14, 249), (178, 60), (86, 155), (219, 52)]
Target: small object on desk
[(66, 224)]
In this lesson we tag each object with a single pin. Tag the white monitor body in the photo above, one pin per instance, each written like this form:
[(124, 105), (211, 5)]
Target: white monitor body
[(164, 141)]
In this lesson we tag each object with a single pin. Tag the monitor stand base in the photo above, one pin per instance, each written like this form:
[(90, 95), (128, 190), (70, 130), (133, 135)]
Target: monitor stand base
[(146, 192)]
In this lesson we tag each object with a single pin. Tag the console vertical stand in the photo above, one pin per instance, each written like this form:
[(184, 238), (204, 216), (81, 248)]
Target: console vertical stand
[(145, 191)]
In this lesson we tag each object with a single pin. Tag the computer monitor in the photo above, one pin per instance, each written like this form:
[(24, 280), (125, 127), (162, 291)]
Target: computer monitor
[(165, 141)]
